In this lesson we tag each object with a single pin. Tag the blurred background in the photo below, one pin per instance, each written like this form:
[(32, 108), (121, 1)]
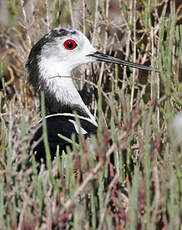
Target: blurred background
[(126, 29), (141, 189)]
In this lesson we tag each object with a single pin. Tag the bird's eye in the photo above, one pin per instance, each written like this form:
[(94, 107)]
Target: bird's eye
[(70, 44)]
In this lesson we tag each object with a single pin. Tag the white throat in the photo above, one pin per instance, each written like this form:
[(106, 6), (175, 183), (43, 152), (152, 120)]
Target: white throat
[(61, 85)]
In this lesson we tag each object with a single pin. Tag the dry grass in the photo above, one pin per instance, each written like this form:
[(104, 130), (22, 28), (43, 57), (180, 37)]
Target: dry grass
[(127, 177)]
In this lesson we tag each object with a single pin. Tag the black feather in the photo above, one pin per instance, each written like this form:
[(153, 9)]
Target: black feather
[(59, 124)]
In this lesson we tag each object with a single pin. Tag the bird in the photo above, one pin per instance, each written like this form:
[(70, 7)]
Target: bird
[(50, 64)]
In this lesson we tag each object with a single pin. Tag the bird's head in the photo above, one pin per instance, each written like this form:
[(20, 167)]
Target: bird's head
[(61, 50)]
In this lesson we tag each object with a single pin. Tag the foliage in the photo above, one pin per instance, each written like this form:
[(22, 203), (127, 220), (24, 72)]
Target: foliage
[(129, 176)]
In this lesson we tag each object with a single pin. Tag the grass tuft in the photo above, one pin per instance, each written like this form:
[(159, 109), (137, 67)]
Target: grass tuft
[(129, 175)]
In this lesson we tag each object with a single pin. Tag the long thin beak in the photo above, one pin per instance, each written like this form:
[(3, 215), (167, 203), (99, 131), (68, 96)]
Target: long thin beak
[(106, 58)]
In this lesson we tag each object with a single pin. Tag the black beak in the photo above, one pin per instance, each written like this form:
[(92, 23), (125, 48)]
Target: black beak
[(106, 58)]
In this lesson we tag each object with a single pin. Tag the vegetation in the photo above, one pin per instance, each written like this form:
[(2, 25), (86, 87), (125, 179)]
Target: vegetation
[(129, 176)]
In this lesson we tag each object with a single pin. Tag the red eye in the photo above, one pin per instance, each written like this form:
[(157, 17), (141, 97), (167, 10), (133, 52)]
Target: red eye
[(70, 44)]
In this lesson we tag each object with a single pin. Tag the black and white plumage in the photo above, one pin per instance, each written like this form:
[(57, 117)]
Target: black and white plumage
[(65, 125), (50, 64)]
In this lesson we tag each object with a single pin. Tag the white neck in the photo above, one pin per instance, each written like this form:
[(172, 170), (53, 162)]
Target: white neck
[(64, 90)]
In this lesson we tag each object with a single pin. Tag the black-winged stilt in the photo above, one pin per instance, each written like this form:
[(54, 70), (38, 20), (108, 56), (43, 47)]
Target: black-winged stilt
[(50, 64)]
